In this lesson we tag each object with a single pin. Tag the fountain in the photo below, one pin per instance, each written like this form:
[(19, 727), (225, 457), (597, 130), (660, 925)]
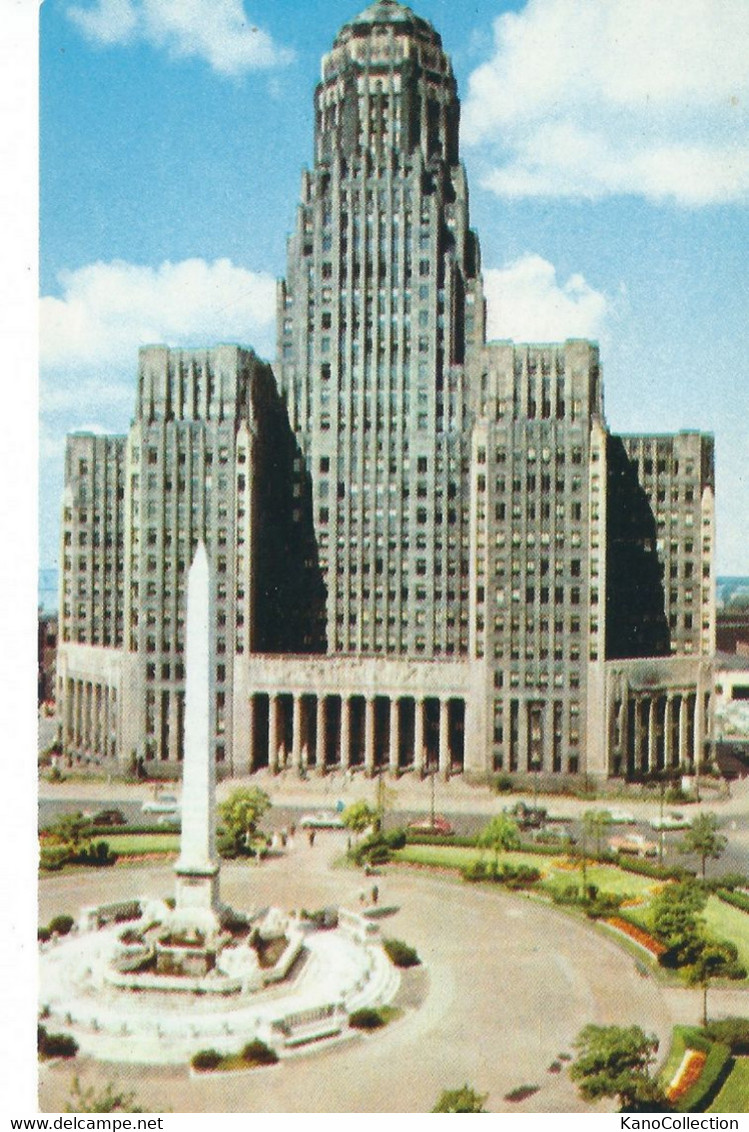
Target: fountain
[(151, 980)]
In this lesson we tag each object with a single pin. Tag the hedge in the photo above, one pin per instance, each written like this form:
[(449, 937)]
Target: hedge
[(734, 1032), (737, 899), (710, 1081), (400, 953)]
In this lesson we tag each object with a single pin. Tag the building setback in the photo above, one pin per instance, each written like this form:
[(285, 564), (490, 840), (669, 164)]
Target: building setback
[(429, 550)]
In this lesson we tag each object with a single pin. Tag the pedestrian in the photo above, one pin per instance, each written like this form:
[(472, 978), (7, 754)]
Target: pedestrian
[(311, 838), (375, 893), (362, 897)]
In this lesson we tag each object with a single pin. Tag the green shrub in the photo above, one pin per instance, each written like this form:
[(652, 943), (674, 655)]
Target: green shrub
[(366, 1019), (257, 1052), (727, 881), (400, 953), (53, 857), (503, 784), (475, 871), (43, 934), (55, 1045), (97, 854), (736, 899), (652, 869), (61, 924), (733, 1032), (710, 1081), (206, 1059), (460, 1100), (518, 876)]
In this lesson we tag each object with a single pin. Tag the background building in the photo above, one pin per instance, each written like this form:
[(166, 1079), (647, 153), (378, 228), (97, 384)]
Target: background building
[(430, 552)]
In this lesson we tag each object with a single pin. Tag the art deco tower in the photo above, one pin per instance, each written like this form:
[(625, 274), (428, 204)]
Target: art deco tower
[(381, 306)]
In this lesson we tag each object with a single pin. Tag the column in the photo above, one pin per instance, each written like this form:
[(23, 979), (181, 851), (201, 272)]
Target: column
[(296, 732), (273, 732), (345, 732), (682, 730), (419, 735), (668, 731), (369, 736), (320, 736), (652, 733), (638, 734), (395, 715), (246, 766), (698, 730), (444, 747)]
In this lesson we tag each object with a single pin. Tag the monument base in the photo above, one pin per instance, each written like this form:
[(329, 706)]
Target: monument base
[(197, 897)]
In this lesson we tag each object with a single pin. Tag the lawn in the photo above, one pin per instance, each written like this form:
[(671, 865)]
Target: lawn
[(553, 869), (734, 1096), (137, 843), (727, 922)]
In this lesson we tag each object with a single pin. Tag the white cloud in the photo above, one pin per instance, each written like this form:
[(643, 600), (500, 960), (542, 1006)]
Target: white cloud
[(218, 31), (525, 302), (595, 98), (108, 310)]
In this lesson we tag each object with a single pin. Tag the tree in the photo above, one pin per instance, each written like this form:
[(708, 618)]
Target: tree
[(702, 839), (107, 1100), (676, 920), (595, 824), (501, 833), (711, 959), (358, 816), (465, 1099), (614, 1061), (241, 814), (72, 830)]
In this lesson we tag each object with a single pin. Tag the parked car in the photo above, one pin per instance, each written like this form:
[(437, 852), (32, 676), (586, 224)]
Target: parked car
[(528, 817), (323, 819), (670, 821), (162, 804), (634, 844), (439, 825), (109, 817)]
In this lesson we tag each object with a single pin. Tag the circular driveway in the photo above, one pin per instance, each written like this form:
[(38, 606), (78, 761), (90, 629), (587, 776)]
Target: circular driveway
[(506, 986)]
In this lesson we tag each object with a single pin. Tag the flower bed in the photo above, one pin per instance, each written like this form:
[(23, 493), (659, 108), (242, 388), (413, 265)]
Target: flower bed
[(692, 1064), (638, 935)]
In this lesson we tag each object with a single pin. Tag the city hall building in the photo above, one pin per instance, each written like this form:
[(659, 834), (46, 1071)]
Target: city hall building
[(428, 550)]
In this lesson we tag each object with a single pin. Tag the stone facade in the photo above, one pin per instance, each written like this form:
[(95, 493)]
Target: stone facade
[(430, 552)]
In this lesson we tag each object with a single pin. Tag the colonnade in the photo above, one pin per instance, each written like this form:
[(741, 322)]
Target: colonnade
[(372, 732), (90, 718), (658, 730)]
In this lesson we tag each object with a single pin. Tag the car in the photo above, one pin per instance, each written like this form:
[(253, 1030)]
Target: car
[(622, 817), (109, 817), (437, 824), (635, 844), (322, 819), (670, 821), (162, 804)]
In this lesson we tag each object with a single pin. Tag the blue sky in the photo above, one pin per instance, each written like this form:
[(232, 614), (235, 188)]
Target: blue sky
[(607, 148)]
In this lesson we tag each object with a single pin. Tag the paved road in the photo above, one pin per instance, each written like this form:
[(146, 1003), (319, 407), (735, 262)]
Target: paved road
[(509, 983), (285, 813)]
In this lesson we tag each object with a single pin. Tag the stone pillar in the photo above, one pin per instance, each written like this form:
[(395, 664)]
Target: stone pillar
[(444, 741), (345, 739), (638, 734), (369, 736), (394, 735), (698, 729), (682, 730), (296, 732), (668, 731), (320, 736), (273, 732), (652, 733), (76, 729), (246, 763), (419, 735)]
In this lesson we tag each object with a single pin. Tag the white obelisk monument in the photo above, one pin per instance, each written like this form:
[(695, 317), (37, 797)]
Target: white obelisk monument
[(197, 897)]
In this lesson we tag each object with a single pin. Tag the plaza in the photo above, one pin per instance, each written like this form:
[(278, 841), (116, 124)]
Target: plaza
[(506, 985)]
